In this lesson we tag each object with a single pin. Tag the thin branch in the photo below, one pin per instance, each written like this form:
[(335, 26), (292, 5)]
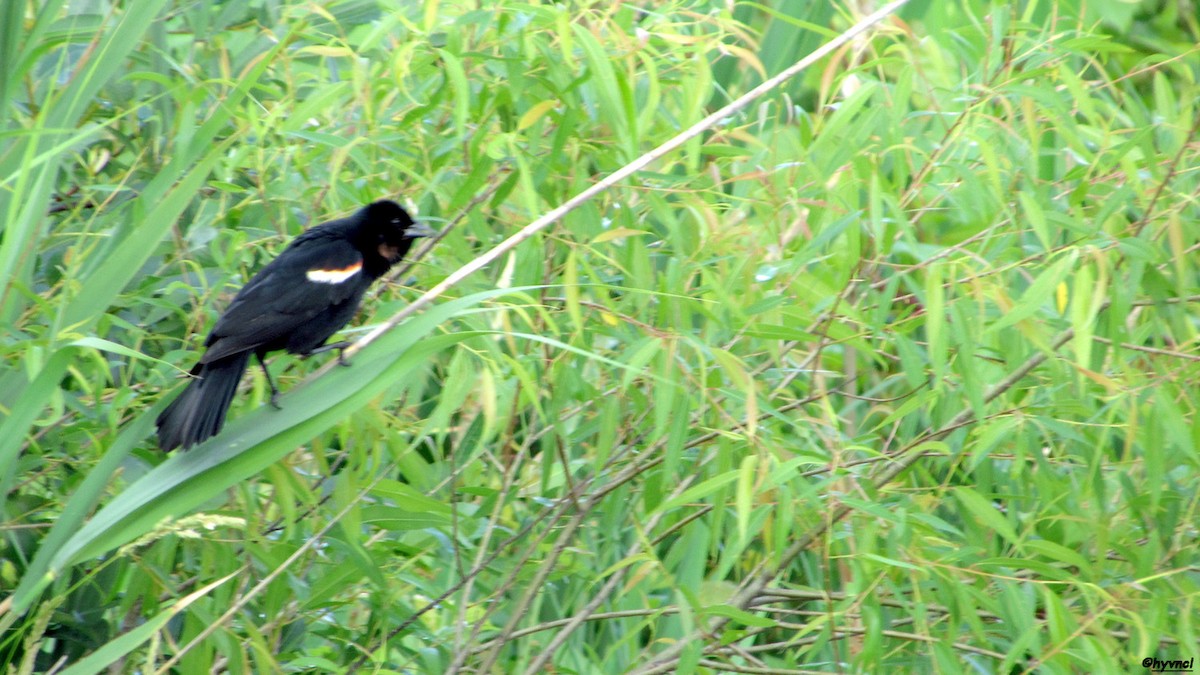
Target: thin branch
[(1171, 172)]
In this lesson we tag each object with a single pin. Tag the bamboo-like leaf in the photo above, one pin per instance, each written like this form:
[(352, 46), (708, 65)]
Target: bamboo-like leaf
[(986, 512), (1036, 296)]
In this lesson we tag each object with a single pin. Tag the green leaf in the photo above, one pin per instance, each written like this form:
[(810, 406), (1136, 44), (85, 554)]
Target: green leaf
[(986, 513), (1036, 297)]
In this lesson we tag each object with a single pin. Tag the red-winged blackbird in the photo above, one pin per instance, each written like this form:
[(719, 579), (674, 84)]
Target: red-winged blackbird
[(296, 303)]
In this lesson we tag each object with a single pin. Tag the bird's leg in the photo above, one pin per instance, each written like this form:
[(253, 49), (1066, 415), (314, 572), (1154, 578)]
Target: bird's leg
[(274, 391), (340, 346)]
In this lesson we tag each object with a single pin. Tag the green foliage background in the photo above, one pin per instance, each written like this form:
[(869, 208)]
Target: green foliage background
[(895, 371)]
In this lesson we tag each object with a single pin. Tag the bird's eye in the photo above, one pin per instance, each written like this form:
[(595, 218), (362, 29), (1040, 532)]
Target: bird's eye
[(395, 221)]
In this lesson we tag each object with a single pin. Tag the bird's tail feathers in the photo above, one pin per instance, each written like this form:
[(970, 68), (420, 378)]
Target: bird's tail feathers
[(198, 413)]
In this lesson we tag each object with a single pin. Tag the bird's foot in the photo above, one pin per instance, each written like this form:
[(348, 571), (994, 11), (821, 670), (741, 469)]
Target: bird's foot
[(339, 346)]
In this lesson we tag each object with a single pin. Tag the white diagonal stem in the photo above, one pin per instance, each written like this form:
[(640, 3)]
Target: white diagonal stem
[(621, 174)]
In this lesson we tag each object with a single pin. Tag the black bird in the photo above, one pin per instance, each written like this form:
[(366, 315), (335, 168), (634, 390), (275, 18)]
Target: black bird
[(295, 303)]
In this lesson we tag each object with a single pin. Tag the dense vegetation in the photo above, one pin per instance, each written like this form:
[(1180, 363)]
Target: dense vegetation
[(893, 370)]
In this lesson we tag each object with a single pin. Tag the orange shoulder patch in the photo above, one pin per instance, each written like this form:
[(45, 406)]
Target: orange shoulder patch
[(335, 276)]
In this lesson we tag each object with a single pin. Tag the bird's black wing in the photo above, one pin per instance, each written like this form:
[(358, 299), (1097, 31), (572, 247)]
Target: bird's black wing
[(312, 275)]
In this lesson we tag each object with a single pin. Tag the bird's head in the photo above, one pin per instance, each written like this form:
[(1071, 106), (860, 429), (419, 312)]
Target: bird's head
[(392, 229)]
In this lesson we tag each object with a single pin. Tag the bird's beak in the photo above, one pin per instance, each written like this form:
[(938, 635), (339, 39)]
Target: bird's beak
[(419, 230)]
